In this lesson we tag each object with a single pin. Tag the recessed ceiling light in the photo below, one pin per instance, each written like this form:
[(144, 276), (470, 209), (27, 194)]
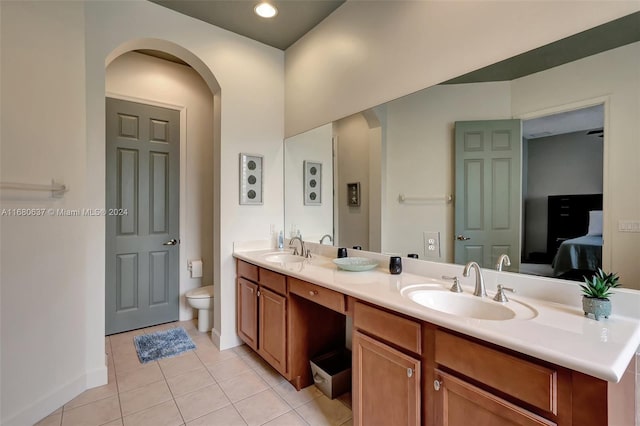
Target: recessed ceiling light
[(266, 10)]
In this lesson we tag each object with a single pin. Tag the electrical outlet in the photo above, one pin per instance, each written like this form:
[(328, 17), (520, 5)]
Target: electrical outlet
[(432, 245), (629, 225)]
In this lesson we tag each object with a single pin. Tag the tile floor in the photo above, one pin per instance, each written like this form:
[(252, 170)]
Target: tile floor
[(205, 387)]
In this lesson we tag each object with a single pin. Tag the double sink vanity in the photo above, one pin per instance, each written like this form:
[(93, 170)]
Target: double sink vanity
[(424, 355)]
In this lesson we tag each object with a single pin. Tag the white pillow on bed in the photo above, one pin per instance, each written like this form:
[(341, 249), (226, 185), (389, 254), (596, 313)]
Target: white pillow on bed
[(595, 222)]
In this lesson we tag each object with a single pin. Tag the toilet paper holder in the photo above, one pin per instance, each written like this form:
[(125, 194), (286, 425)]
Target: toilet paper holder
[(195, 268)]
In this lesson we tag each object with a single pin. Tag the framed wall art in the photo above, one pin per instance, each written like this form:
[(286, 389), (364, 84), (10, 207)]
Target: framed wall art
[(353, 194), (312, 183), (251, 179)]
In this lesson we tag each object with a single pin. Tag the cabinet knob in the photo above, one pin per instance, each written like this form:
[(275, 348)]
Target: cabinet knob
[(258, 293), (409, 372), (437, 384), (313, 292)]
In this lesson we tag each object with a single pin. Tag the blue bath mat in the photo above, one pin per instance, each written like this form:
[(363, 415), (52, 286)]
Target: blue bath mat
[(163, 344)]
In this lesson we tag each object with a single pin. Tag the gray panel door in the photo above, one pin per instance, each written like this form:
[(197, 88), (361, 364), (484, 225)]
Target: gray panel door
[(142, 241), (488, 191)]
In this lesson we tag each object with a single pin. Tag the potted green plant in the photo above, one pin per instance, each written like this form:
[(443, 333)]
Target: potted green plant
[(596, 292)]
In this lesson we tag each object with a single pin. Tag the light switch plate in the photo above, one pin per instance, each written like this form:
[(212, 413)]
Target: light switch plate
[(432, 245), (629, 225)]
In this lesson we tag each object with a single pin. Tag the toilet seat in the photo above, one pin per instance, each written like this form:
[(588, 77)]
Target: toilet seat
[(200, 292)]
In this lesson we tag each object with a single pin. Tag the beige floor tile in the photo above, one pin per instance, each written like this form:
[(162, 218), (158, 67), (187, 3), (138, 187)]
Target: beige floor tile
[(109, 357), (211, 355), (289, 419), (117, 422), (262, 407), (243, 350), (94, 413), (144, 397), (161, 327), (189, 382), (202, 401), (243, 385), (180, 364), (294, 398), (92, 395), (123, 340), (165, 414), (253, 359), (139, 377), (269, 374), (227, 416), (203, 341), (53, 419), (111, 375), (188, 324), (324, 411), (126, 361), (348, 423), (228, 368)]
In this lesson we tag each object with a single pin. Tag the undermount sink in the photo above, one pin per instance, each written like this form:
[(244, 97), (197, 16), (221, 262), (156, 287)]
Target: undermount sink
[(283, 258), (469, 306)]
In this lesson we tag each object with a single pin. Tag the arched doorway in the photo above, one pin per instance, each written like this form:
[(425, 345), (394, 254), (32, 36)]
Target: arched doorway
[(191, 184)]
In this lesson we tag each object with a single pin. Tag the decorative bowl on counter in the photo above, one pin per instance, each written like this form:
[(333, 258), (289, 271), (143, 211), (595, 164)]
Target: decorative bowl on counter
[(355, 264)]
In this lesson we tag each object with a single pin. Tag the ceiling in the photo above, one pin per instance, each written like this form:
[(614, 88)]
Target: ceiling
[(566, 122), (294, 19)]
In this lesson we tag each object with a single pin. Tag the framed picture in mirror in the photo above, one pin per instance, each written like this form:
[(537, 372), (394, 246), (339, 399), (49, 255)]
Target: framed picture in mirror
[(312, 183), (250, 179), (353, 193)]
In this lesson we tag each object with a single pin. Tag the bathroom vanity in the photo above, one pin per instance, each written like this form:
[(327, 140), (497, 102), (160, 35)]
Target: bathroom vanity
[(418, 366)]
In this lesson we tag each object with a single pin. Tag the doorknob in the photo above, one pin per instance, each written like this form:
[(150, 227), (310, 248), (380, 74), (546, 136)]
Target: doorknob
[(462, 238), (171, 242)]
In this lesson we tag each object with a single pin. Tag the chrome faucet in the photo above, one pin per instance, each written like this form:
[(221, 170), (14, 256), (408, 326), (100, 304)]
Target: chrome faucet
[(326, 236), (295, 249), (480, 289), (503, 260)]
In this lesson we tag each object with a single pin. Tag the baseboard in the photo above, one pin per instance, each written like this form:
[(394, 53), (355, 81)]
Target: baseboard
[(97, 377), (46, 405), (215, 337), (228, 342)]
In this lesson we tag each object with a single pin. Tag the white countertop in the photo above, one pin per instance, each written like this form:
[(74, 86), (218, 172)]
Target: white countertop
[(559, 334)]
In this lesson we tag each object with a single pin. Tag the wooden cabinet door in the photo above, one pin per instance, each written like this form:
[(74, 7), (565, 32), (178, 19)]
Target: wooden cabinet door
[(459, 403), (273, 329), (247, 316), (386, 384)]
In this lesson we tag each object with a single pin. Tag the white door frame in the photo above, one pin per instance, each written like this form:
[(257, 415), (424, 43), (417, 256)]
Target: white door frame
[(607, 229), (182, 270)]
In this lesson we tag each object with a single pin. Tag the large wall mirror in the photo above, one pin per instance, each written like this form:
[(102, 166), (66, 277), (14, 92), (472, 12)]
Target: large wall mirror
[(395, 180)]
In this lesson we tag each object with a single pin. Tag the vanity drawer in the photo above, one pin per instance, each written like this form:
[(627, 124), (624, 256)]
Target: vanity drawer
[(273, 280), (521, 379), (395, 329), (320, 295), (247, 270)]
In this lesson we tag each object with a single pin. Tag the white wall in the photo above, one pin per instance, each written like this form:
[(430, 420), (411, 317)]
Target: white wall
[(619, 86), (54, 56), (312, 221), (420, 159), (44, 259), (565, 164), (143, 78), (367, 53)]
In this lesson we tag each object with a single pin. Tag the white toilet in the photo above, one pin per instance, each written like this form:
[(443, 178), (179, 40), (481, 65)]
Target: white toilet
[(201, 298)]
